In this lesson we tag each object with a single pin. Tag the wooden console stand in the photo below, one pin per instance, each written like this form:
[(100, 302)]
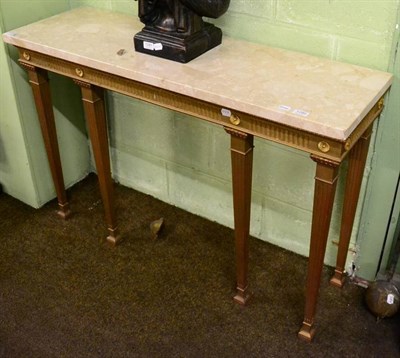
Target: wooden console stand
[(268, 93)]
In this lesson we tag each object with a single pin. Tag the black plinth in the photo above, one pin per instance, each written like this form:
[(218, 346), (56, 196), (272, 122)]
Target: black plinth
[(177, 48)]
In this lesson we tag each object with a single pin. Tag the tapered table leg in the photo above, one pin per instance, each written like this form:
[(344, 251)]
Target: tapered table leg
[(41, 92), (93, 103), (242, 164), (324, 194), (357, 159)]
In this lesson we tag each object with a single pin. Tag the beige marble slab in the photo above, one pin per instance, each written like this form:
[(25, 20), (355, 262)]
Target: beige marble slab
[(295, 89)]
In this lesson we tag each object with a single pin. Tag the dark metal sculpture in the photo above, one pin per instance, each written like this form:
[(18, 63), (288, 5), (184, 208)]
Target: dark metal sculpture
[(174, 29)]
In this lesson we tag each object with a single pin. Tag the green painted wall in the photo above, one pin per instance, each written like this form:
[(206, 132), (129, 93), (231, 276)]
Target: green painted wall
[(12, 141), (380, 217), (186, 162), (24, 172)]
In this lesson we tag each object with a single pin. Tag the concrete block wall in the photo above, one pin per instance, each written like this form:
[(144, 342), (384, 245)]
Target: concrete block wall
[(186, 162), (358, 32)]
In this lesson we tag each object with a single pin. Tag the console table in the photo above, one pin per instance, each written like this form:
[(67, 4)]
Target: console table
[(316, 105)]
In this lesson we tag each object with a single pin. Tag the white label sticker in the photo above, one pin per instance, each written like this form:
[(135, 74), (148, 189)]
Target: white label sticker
[(284, 107), (158, 46), (148, 45), (390, 298), (226, 112), (300, 112)]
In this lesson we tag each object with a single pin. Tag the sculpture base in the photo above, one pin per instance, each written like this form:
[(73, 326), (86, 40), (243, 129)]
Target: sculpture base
[(176, 47)]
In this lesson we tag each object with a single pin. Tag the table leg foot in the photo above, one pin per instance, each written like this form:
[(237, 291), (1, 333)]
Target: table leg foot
[(357, 160), (39, 81), (324, 194), (242, 164), (93, 103), (338, 279), (113, 237), (64, 211), (306, 332), (242, 296)]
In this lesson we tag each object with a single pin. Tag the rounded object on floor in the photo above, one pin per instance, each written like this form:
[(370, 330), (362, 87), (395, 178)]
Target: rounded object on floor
[(382, 298)]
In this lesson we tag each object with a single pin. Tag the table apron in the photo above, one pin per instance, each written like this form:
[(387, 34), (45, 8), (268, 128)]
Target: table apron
[(325, 147)]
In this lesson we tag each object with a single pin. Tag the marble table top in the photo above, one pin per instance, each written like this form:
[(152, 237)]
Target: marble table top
[(306, 92)]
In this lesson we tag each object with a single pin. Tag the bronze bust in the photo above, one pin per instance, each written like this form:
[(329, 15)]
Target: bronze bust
[(174, 29)]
